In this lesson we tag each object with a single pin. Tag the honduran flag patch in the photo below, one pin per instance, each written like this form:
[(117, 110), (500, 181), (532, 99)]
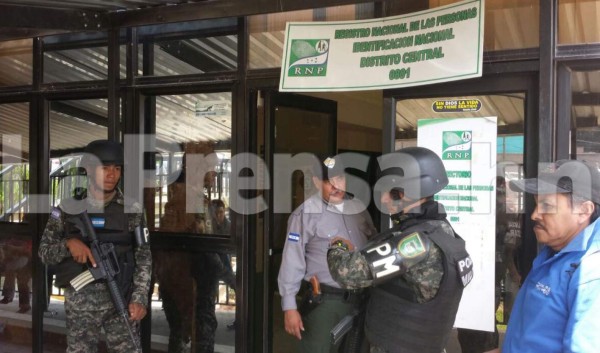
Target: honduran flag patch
[(295, 237), (55, 213), (98, 222)]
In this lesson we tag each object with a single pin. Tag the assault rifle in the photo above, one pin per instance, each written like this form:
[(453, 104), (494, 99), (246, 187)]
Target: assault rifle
[(342, 328), (107, 267)]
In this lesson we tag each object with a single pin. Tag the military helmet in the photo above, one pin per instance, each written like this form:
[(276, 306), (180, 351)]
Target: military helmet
[(417, 171), (106, 152)]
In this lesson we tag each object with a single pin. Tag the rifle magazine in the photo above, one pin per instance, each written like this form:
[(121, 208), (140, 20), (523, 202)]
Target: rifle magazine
[(82, 280)]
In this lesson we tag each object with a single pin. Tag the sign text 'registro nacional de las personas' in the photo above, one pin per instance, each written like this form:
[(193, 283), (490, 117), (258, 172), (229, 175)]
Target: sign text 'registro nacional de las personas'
[(431, 46)]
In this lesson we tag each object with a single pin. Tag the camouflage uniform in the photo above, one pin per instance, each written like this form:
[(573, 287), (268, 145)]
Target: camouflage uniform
[(91, 307), (422, 275), (353, 271)]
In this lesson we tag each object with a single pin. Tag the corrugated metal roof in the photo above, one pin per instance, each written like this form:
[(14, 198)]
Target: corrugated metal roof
[(76, 122)]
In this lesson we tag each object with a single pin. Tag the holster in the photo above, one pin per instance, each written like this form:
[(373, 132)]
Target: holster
[(309, 301)]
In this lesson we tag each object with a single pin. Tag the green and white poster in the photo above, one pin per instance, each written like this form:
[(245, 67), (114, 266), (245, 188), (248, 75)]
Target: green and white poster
[(467, 147), (432, 46)]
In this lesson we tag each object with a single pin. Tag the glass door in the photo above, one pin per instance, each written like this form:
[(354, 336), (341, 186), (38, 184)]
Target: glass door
[(187, 209), (509, 103), (294, 124), (16, 261)]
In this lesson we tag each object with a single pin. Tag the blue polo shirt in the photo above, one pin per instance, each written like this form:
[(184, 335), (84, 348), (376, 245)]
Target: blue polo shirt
[(558, 306)]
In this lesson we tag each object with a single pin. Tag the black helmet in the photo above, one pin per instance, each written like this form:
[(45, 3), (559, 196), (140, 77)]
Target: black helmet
[(417, 171), (107, 152)]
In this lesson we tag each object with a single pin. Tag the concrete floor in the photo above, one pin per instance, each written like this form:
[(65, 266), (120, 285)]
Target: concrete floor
[(15, 328), (54, 322)]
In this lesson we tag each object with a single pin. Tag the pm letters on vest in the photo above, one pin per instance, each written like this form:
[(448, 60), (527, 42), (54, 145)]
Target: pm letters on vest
[(387, 261)]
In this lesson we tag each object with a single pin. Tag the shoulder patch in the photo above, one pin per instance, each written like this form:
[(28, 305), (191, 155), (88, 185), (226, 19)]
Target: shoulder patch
[(56, 213), (464, 268), (295, 237), (411, 246), (98, 222)]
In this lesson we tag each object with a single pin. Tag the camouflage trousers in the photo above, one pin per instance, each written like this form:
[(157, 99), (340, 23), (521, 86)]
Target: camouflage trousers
[(83, 331)]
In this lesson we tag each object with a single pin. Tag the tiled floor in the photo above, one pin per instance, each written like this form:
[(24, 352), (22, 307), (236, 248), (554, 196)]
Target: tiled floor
[(54, 322)]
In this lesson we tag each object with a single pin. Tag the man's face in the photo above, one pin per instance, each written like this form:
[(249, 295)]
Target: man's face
[(333, 189), (220, 214), (106, 177), (391, 201), (557, 222), (209, 178), (395, 202)]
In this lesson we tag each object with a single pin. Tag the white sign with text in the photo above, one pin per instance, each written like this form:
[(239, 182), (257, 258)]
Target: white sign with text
[(431, 46), (467, 147)]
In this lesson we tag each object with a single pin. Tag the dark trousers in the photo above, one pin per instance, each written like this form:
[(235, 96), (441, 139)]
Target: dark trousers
[(318, 324)]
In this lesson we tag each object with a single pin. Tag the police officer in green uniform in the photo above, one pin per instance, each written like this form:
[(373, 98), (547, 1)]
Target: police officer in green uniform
[(417, 269), (65, 247)]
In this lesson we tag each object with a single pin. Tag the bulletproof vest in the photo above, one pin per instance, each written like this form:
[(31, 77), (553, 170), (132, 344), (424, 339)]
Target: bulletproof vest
[(111, 226), (401, 325)]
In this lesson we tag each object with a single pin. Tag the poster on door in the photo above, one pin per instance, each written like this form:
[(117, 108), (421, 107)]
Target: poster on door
[(467, 146), (432, 46)]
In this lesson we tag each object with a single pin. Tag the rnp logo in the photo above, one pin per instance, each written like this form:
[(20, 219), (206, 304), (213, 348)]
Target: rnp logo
[(456, 145), (308, 57)]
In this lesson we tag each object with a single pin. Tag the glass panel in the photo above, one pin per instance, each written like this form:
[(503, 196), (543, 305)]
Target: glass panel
[(81, 64), (585, 129), (73, 124), (510, 112), (509, 24), (266, 31), (301, 125), (193, 305), (14, 161), (201, 125), (196, 290), (15, 62), (194, 55), (578, 21), (15, 249)]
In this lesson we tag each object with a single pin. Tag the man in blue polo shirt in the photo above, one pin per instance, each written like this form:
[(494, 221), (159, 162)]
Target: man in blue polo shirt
[(558, 306)]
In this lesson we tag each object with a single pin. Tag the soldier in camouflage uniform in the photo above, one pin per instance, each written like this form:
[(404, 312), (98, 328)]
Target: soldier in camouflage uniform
[(417, 269), (91, 308)]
